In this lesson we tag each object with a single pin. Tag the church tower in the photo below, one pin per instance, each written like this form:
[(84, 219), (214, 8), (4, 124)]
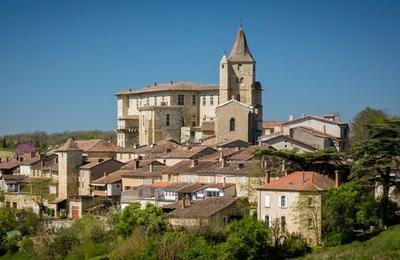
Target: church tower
[(238, 79)]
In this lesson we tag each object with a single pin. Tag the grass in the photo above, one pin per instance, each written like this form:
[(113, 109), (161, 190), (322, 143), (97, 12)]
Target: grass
[(5, 153), (386, 245)]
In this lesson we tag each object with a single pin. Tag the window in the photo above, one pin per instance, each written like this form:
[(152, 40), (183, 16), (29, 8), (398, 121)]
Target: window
[(225, 219), (232, 124), (266, 220), (238, 98), (239, 66), (204, 100), (155, 101), (212, 194), (193, 123), (241, 81), (283, 223), (266, 201), (283, 201), (167, 119), (194, 100), (310, 202), (211, 100), (147, 101), (181, 100), (309, 223), (183, 121), (82, 185)]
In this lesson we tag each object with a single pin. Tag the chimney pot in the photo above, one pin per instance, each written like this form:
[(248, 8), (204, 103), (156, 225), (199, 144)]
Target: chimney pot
[(151, 167), (137, 162)]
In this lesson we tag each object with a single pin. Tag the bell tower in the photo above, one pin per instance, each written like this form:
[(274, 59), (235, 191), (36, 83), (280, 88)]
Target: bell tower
[(237, 73)]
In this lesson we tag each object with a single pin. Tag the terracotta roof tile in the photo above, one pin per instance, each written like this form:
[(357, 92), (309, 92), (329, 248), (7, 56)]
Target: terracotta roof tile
[(300, 181)]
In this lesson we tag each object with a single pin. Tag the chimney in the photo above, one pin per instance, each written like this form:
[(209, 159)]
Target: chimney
[(268, 177), (224, 181), (134, 146), (237, 148), (304, 175), (137, 162), (291, 118), (42, 159), (195, 162), (221, 155), (151, 167), (105, 174), (338, 178), (21, 159), (223, 162)]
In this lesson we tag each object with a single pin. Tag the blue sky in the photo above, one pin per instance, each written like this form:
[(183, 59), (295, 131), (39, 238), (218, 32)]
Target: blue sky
[(61, 61)]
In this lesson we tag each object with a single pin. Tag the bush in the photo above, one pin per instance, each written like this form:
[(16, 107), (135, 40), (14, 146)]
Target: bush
[(294, 245)]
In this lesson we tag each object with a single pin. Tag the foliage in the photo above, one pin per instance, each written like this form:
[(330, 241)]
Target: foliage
[(386, 245), (377, 160), (25, 220), (359, 126), (324, 161), (42, 140), (246, 239), (293, 245), (151, 217), (347, 208)]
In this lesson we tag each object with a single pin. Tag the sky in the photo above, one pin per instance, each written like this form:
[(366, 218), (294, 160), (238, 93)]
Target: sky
[(62, 61)]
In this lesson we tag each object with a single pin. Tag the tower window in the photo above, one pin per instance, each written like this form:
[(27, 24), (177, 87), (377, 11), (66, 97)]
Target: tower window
[(204, 100), (211, 100), (241, 81), (181, 100), (232, 124), (194, 100), (167, 119), (239, 66)]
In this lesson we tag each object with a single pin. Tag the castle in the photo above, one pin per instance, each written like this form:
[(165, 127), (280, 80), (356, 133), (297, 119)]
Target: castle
[(196, 113)]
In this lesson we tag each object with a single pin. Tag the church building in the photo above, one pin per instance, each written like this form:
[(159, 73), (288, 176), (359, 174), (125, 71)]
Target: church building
[(193, 112)]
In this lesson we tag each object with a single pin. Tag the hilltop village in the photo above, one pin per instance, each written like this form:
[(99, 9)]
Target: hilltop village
[(200, 153)]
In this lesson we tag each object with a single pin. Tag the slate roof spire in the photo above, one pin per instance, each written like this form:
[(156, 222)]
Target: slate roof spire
[(240, 50)]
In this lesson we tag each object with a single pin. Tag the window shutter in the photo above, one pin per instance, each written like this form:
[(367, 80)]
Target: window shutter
[(279, 201), (267, 203)]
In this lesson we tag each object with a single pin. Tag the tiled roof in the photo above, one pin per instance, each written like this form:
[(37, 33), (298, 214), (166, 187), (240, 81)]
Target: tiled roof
[(104, 146), (11, 164), (316, 132), (93, 162), (161, 147), (69, 145), (110, 178), (186, 167), (201, 208), (175, 86), (131, 165), (319, 118), (245, 154), (221, 185), (300, 181), (187, 152), (87, 144), (194, 187), (145, 172)]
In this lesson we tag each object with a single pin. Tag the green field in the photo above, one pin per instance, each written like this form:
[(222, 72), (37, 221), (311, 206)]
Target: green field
[(5, 153), (384, 246)]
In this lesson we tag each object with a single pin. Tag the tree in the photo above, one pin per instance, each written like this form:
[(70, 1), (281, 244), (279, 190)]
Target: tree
[(151, 217), (376, 160), (38, 191), (324, 161), (247, 239), (359, 126), (307, 213), (254, 179)]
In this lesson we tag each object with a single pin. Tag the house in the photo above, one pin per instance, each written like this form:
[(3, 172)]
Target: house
[(95, 169), (193, 214), (284, 142), (109, 185), (158, 193), (147, 174), (294, 202), (196, 191), (173, 156)]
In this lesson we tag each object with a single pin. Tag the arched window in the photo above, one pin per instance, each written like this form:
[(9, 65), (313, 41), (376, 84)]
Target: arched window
[(232, 124)]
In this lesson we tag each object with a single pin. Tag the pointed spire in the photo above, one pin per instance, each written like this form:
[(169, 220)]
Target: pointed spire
[(240, 50), (69, 145), (224, 59)]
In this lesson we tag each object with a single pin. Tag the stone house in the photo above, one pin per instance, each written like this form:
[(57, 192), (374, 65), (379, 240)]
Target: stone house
[(294, 203)]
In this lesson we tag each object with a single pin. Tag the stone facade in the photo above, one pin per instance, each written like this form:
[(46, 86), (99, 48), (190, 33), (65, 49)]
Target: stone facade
[(68, 172), (142, 113)]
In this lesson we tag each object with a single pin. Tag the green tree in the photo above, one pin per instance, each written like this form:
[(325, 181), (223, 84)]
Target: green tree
[(359, 125), (151, 217), (376, 160), (247, 239)]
